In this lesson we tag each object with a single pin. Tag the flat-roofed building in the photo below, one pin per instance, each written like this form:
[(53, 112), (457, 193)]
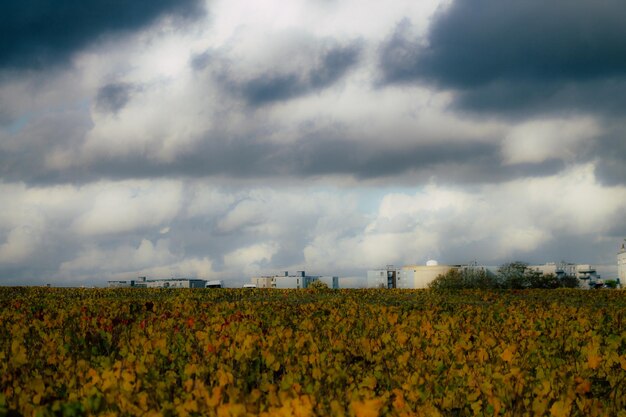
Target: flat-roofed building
[(330, 281), (298, 280), (419, 276), (408, 276), (121, 283), (558, 269), (387, 277), (176, 283), (263, 281)]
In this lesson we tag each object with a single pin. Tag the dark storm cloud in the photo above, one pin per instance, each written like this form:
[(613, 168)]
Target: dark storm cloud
[(36, 33), (611, 151), (310, 156), (515, 54), (532, 97), (111, 98), (328, 67)]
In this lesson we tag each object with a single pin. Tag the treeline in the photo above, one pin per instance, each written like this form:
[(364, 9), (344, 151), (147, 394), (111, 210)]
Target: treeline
[(514, 275)]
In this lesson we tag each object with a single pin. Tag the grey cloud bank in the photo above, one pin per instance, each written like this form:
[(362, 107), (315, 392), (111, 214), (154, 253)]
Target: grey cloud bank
[(157, 139), (515, 54), (37, 33), (323, 68)]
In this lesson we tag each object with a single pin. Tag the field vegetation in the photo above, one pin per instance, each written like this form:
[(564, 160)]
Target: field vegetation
[(143, 352)]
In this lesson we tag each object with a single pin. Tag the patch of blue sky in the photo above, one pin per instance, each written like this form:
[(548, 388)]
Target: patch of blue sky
[(18, 124)]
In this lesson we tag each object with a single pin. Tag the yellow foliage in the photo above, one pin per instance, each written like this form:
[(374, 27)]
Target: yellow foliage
[(507, 354), (18, 353), (367, 408), (560, 409), (593, 361), (360, 353)]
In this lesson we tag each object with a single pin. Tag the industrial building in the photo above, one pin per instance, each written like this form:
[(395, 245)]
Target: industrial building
[(387, 277), (419, 276), (408, 276), (587, 274), (299, 280), (560, 269), (122, 284), (176, 283), (142, 282)]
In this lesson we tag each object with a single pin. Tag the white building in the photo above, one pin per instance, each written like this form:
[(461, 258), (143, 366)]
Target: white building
[(587, 274), (387, 277), (299, 280), (265, 281), (560, 269), (407, 277), (330, 281), (419, 276), (121, 283), (176, 283), (131, 283), (142, 282)]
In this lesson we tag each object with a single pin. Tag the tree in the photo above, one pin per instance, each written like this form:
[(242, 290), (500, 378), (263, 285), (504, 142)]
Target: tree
[(538, 280), (569, 281), (318, 285), (451, 280), (479, 278), (513, 275), (466, 278)]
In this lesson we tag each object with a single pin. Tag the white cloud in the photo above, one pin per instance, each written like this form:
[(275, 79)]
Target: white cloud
[(324, 18), (207, 201), (248, 260), (121, 258), (129, 205), (21, 243), (540, 140), (189, 267), (498, 223)]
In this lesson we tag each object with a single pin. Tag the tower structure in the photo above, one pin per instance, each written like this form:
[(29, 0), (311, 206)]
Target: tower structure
[(621, 265)]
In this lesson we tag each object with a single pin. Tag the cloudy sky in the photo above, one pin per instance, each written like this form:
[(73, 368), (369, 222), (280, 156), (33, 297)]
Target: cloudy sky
[(228, 138)]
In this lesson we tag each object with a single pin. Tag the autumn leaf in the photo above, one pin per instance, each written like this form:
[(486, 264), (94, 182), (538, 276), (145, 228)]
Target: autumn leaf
[(367, 408), (560, 409), (593, 361), (507, 354)]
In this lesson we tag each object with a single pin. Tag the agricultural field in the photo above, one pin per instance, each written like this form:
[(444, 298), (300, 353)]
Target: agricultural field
[(144, 352)]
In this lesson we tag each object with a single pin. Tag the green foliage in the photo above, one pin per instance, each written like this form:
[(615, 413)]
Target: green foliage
[(569, 281), (318, 285), (542, 281), (463, 279), (517, 275), (478, 278), (451, 280), (514, 275)]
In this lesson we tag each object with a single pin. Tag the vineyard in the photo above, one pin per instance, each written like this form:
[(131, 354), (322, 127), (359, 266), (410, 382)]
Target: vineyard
[(141, 352)]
